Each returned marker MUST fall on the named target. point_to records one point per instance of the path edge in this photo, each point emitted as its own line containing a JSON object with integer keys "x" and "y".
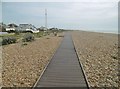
{"x": 34, "y": 86}
{"x": 81, "y": 65}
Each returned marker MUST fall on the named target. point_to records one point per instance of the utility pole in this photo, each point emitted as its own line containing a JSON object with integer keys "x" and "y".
{"x": 46, "y": 18}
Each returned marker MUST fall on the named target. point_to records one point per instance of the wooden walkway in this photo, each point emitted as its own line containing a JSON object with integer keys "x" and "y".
{"x": 64, "y": 69}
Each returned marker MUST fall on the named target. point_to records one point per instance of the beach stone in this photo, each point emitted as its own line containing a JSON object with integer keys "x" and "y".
{"x": 23, "y": 65}
{"x": 95, "y": 50}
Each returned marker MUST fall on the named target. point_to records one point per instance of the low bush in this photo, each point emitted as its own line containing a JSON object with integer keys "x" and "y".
{"x": 23, "y": 44}
{"x": 47, "y": 38}
{"x": 17, "y": 32}
{"x": 28, "y": 37}
{"x": 55, "y": 34}
{"x": 60, "y": 36}
{"x": 8, "y": 40}
{"x": 38, "y": 35}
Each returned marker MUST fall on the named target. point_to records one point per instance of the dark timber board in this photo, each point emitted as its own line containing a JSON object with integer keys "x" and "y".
{"x": 64, "y": 69}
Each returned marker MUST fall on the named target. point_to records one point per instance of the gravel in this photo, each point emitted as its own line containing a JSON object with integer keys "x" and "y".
{"x": 98, "y": 54}
{"x": 23, "y": 63}
{"x": 0, "y": 67}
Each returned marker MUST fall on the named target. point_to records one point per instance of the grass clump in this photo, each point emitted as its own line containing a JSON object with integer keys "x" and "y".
{"x": 28, "y": 37}
{"x": 55, "y": 33}
{"x": 39, "y": 34}
{"x": 8, "y": 40}
{"x": 23, "y": 44}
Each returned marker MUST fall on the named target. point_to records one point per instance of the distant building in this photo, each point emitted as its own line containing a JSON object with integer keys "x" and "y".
{"x": 27, "y": 28}
{"x": 22, "y": 28}
{"x": 11, "y": 27}
{"x": 52, "y": 29}
{"x": 42, "y": 28}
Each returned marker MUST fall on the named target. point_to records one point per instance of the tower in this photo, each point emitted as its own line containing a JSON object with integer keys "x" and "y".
{"x": 46, "y": 18}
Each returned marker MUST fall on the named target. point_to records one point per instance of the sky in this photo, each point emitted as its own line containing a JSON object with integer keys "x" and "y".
{"x": 90, "y": 15}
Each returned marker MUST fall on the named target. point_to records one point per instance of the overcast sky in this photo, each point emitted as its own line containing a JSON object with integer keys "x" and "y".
{"x": 89, "y": 15}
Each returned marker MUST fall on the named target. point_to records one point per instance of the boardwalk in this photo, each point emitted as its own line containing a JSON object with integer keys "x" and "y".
{"x": 64, "y": 69}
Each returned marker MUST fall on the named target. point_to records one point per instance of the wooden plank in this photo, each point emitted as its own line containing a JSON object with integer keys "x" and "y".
{"x": 64, "y": 69}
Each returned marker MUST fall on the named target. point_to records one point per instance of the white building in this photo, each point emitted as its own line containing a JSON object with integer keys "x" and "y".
{"x": 28, "y": 28}
{"x": 11, "y": 27}
{"x": 22, "y": 28}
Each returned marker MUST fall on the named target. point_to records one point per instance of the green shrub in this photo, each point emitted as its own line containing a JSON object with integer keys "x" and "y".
{"x": 40, "y": 34}
{"x": 60, "y": 36}
{"x": 17, "y": 32}
{"x": 55, "y": 34}
{"x": 8, "y": 40}
{"x": 23, "y": 44}
{"x": 28, "y": 37}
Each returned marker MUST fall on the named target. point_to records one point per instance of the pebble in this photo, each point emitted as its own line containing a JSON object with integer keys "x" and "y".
{"x": 23, "y": 65}
{"x": 96, "y": 57}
